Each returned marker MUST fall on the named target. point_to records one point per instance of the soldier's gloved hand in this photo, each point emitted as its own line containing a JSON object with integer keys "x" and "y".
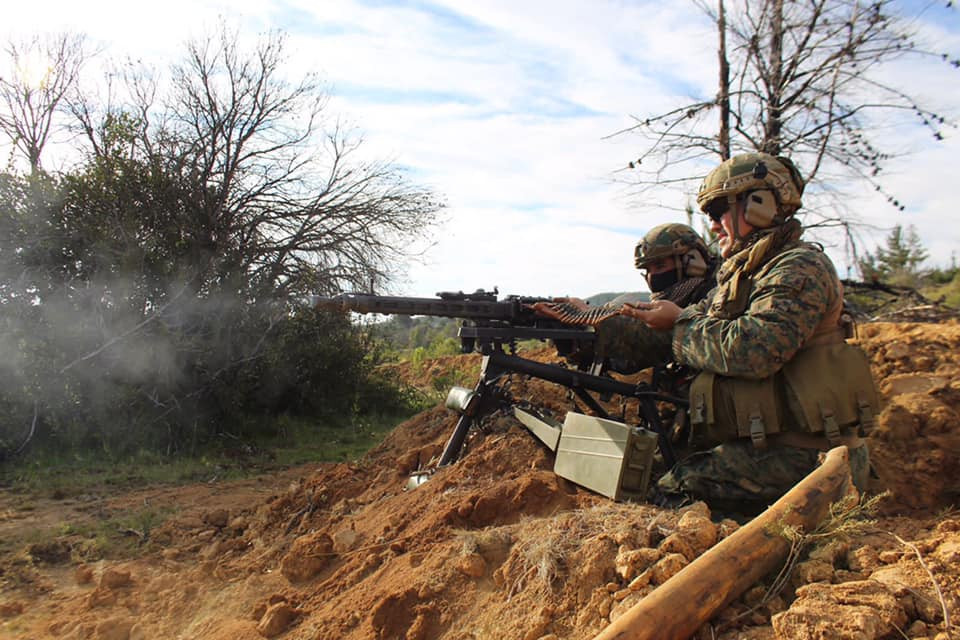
{"x": 658, "y": 314}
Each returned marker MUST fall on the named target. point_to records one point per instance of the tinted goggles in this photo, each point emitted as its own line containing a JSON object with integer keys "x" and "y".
{"x": 716, "y": 208}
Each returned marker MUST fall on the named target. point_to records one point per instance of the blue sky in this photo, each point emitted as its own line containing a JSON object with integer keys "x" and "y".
{"x": 504, "y": 108}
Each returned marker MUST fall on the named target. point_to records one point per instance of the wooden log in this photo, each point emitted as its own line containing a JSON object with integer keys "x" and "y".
{"x": 678, "y": 607}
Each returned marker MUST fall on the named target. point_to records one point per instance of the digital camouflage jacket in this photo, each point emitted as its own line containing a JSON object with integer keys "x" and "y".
{"x": 770, "y": 347}
{"x": 751, "y": 325}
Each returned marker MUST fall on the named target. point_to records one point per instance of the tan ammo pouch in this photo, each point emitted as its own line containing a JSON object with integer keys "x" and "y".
{"x": 800, "y": 395}
{"x": 819, "y": 407}
{"x": 724, "y": 408}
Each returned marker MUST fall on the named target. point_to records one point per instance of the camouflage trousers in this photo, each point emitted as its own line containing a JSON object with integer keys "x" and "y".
{"x": 736, "y": 476}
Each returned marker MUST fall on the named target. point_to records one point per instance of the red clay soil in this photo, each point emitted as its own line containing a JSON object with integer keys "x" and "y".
{"x": 497, "y": 546}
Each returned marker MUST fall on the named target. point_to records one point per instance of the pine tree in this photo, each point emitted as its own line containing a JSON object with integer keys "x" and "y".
{"x": 899, "y": 262}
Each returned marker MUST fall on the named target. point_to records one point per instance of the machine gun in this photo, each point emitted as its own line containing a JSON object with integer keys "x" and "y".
{"x": 489, "y": 326}
{"x": 489, "y": 323}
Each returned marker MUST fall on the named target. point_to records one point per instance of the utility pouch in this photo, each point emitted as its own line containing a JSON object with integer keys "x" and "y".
{"x": 755, "y": 408}
{"x": 723, "y": 408}
{"x": 702, "y": 419}
{"x": 830, "y": 409}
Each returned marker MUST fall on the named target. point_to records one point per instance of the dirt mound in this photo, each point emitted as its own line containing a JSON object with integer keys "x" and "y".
{"x": 497, "y": 546}
{"x": 915, "y": 447}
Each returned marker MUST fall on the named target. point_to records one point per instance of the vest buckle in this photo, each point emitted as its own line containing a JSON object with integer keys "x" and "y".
{"x": 866, "y": 415}
{"x": 696, "y": 411}
{"x": 830, "y": 427}
{"x": 758, "y": 435}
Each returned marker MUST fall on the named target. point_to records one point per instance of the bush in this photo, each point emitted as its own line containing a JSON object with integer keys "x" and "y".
{"x": 148, "y": 297}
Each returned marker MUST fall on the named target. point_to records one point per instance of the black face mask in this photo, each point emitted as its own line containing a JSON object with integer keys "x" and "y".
{"x": 660, "y": 281}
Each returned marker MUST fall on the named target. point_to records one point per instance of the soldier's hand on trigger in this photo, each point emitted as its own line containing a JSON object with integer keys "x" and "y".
{"x": 658, "y": 314}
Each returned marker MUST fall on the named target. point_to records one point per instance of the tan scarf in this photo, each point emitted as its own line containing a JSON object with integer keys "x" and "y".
{"x": 761, "y": 246}
{"x": 679, "y": 293}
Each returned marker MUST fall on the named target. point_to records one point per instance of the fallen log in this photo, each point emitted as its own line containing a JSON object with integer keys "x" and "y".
{"x": 678, "y": 607}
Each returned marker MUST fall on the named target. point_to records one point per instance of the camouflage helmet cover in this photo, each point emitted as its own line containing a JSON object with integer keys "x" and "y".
{"x": 667, "y": 240}
{"x": 753, "y": 172}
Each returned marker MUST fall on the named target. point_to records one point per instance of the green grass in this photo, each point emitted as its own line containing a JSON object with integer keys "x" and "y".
{"x": 116, "y": 535}
{"x": 949, "y": 293}
{"x": 63, "y": 475}
{"x": 303, "y": 443}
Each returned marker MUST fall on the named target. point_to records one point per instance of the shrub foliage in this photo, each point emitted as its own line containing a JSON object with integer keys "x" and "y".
{"x": 154, "y": 293}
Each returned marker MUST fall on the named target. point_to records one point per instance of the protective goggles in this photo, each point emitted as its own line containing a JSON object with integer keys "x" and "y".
{"x": 716, "y": 208}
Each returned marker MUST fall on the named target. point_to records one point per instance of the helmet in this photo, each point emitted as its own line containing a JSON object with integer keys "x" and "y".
{"x": 773, "y": 186}
{"x": 666, "y": 240}
{"x": 691, "y": 259}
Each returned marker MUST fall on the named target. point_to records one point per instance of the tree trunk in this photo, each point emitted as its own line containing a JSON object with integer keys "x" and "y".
{"x": 772, "y": 142}
{"x": 723, "y": 95}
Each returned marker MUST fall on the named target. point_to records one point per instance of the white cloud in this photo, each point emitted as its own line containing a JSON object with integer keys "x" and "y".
{"x": 503, "y": 107}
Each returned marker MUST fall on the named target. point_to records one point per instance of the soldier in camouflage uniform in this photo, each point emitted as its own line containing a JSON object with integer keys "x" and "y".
{"x": 677, "y": 267}
{"x": 778, "y": 382}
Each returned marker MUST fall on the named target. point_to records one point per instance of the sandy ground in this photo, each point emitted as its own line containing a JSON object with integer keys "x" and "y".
{"x": 496, "y": 546}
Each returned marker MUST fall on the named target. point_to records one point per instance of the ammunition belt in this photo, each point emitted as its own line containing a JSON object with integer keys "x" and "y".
{"x": 571, "y": 314}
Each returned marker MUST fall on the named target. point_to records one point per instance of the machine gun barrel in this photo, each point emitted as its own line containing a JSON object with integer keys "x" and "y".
{"x": 489, "y": 323}
{"x": 481, "y": 307}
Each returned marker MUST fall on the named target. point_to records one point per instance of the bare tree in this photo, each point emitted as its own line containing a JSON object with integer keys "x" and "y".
{"x": 801, "y": 77}
{"x": 723, "y": 93}
{"x": 161, "y": 274}
{"x": 287, "y": 202}
{"x": 281, "y": 201}
{"x": 42, "y": 72}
